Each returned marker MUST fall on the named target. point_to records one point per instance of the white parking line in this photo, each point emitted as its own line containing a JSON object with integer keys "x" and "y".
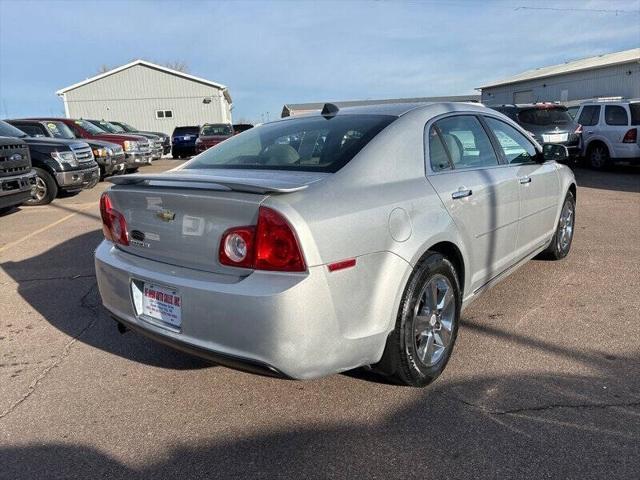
{"x": 45, "y": 228}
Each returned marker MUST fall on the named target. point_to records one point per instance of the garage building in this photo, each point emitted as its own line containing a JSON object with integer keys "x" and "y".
{"x": 149, "y": 97}
{"x": 610, "y": 75}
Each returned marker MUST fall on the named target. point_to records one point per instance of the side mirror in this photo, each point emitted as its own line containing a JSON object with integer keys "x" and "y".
{"x": 554, "y": 151}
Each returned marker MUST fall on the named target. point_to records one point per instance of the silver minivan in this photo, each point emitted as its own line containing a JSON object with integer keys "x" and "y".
{"x": 610, "y": 131}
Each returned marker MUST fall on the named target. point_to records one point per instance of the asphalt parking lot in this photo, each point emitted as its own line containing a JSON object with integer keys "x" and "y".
{"x": 544, "y": 381}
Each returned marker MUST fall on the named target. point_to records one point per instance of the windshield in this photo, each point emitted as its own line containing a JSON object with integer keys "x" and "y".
{"x": 125, "y": 127}
{"x": 216, "y": 129}
{"x": 106, "y": 126}
{"x": 59, "y": 130}
{"x": 545, "y": 116}
{"x": 186, "y": 131}
{"x": 305, "y": 144}
{"x": 7, "y": 130}
{"x": 89, "y": 127}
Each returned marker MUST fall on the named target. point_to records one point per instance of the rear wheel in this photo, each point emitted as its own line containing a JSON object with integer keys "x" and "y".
{"x": 561, "y": 241}
{"x": 598, "y": 156}
{"x": 46, "y": 188}
{"x": 419, "y": 348}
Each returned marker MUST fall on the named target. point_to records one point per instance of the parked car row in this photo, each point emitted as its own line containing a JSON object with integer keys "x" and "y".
{"x": 601, "y": 131}
{"x": 191, "y": 140}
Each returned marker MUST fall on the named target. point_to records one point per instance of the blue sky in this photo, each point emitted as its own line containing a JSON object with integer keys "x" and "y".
{"x": 271, "y": 53}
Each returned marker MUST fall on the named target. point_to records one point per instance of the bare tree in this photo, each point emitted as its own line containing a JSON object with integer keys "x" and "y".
{"x": 178, "y": 65}
{"x": 104, "y": 68}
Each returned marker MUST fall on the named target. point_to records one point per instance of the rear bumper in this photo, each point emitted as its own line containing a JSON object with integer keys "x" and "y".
{"x": 289, "y": 324}
{"x": 16, "y": 190}
{"x": 78, "y": 179}
{"x": 626, "y": 151}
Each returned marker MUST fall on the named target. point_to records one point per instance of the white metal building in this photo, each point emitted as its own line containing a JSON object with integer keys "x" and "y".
{"x": 149, "y": 97}
{"x": 610, "y": 75}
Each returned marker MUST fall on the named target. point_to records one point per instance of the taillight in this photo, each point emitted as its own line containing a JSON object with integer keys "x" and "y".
{"x": 578, "y": 129}
{"x": 114, "y": 224}
{"x": 631, "y": 136}
{"x": 270, "y": 245}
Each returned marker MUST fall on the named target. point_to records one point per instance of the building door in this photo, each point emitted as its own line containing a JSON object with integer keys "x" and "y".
{"x": 524, "y": 96}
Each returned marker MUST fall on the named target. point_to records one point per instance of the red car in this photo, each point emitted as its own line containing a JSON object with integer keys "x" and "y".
{"x": 212, "y": 134}
{"x": 136, "y": 148}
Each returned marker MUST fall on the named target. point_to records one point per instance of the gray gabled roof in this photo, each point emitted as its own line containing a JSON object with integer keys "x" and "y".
{"x": 170, "y": 71}
{"x": 589, "y": 63}
{"x": 290, "y": 108}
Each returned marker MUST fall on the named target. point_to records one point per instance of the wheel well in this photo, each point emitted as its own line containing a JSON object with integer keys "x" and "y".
{"x": 572, "y": 189}
{"x": 452, "y": 252}
{"x": 597, "y": 142}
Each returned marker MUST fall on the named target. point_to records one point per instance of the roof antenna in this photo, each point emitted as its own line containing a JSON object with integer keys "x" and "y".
{"x": 329, "y": 110}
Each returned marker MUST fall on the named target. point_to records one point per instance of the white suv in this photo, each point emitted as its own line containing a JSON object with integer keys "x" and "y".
{"x": 610, "y": 131}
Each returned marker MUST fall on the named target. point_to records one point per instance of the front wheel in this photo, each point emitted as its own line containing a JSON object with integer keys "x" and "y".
{"x": 419, "y": 348}
{"x": 562, "y": 238}
{"x": 46, "y": 188}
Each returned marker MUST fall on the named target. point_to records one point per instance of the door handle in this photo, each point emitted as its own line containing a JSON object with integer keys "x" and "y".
{"x": 461, "y": 193}
{"x": 525, "y": 180}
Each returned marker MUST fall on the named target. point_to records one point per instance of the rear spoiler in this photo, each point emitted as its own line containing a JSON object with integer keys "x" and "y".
{"x": 210, "y": 182}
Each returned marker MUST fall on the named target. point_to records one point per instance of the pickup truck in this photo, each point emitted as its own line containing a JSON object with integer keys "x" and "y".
{"x": 60, "y": 165}
{"x": 137, "y": 150}
{"x": 126, "y": 128}
{"x": 108, "y": 156}
{"x": 17, "y": 179}
{"x": 212, "y": 134}
{"x": 155, "y": 142}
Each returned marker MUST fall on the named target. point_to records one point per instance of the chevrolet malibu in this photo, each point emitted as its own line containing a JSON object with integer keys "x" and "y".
{"x": 318, "y": 244}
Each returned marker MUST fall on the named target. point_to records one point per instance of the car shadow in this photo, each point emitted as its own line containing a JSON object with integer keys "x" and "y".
{"x": 60, "y": 285}
{"x": 525, "y": 426}
{"x": 618, "y": 177}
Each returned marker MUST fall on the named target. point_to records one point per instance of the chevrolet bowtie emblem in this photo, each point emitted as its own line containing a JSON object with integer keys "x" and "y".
{"x": 165, "y": 215}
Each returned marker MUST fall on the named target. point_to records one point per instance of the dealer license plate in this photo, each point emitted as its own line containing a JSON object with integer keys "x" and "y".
{"x": 554, "y": 137}
{"x": 157, "y": 302}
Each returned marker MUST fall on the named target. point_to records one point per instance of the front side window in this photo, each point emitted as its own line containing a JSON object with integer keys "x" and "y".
{"x": 615, "y": 115}
{"x": 466, "y": 142}
{"x": 514, "y": 145}
{"x": 33, "y": 130}
{"x": 589, "y": 116}
{"x": 306, "y": 144}
{"x": 89, "y": 127}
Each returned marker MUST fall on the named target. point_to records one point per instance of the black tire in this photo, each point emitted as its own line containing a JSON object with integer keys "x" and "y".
{"x": 401, "y": 359}
{"x": 47, "y": 188}
{"x": 560, "y": 247}
{"x": 65, "y": 194}
{"x": 131, "y": 170}
{"x": 598, "y": 157}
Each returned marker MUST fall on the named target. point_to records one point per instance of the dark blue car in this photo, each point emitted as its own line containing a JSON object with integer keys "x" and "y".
{"x": 183, "y": 141}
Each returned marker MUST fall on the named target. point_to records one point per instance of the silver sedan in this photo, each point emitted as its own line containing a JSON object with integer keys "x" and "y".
{"x": 318, "y": 244}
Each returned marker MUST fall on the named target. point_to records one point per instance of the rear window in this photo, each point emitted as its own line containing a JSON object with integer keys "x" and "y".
{"x": 544, "y": 116}
{"x": 186, "y": 131}
{"x": 635, "y": 113}
{"x": 304, "y": 144}
{"x": 219, "y": 129}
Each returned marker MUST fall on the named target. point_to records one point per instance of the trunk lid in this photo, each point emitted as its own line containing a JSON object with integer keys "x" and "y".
{"x": 179, "y": 217}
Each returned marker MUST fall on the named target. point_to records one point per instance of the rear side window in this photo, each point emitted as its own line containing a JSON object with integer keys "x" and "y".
{"x": 544, "y": 117}
{"x": 466, "y": 142}
{"x": 437, "y": 152}
{"x": 615, "y": 115}
{"x": 590, "y": 115}
{"x": 635, "y": 113}
{"x": 304, "y": 144}
{"x": 515, "y": 146}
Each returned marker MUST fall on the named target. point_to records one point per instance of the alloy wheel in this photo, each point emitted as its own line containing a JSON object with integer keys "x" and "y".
{"x": 565, "y": 226}
{"x": 433, "y": 319}
{"x": 41, "y": 189}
